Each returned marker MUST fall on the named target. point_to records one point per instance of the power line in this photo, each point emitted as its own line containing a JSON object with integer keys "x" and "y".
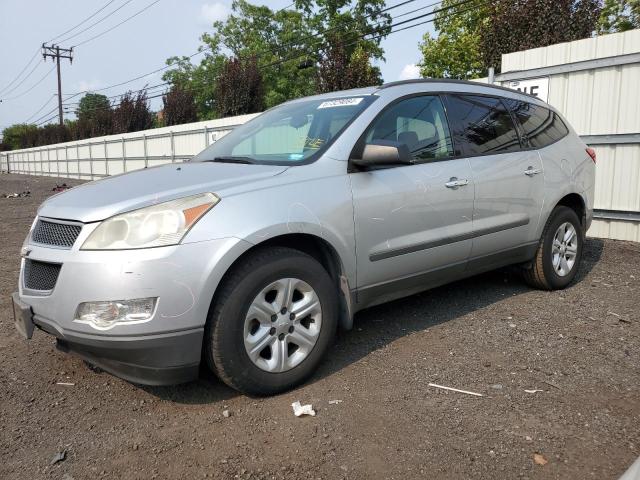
{"x": 135, "y": 78}
{"x": 208, "y": 48}
{"x": 83, "y": 21}
{"x": 35, "y": 55}
{"x": 118, "y": 24}
{"x": 18, "y": 85}
{"x": 45, "y": 115}
{"x": 307, "y": 53}
{"x": 46, "y": 121}
{"x": 433, "y": 12}
{"x": 280, "y": 48}
{"x": 32, "y": 86}
{"x": 96, "y": 22}
{"x": 40, "y": 109}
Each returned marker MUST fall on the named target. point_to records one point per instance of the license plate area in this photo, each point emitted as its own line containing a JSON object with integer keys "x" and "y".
{"x": 22, "y": 317}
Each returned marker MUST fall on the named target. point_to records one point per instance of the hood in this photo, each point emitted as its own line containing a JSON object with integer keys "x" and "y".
{"x": 102, "y": 199}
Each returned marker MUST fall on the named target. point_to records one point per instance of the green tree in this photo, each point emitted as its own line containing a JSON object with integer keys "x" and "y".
{"x": 179, "y": 106}
{"x": 15, "y": 136}
{"x": 354, "y": 23}
{"x": 455, "y": 51}
{"x": 132, "y": 113}
{"x": 199, "y": 79}
{"x": 90, "y": 104}
{"x": 288, "y": 45}
{"x": 471, "y": 37}
{"x": 347, "y": 36}
{"x": 619, "y": 16}
{"x": 271, "y": 36}
{"x": 511, "y": 26}
{"x": 339, "y": 71}
{"x": 239, "y": 88}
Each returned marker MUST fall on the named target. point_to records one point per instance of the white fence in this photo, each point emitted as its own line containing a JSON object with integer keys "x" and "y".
{"x": 102, "y": 156}
{"x": 594, "y": 82}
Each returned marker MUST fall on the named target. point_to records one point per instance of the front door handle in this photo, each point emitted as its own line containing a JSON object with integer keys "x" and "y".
{"x": 530, "y": 171}
{"x": 455, "y": 183}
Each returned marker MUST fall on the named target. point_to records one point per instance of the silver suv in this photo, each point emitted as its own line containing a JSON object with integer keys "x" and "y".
{"x": 249, "y": 257}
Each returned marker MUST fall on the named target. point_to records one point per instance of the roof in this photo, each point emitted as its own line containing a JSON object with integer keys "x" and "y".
{"x": 467, "y": 83}
{"x": 426, "y": 81}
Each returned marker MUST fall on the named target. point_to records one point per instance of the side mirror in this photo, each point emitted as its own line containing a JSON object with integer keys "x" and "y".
{"x": 384, "y": 153}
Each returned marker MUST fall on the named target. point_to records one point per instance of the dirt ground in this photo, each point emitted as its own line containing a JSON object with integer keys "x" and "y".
{"x": 489, "y": 334}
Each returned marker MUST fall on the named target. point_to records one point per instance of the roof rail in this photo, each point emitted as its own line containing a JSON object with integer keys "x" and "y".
{"x": 450, "y": 80}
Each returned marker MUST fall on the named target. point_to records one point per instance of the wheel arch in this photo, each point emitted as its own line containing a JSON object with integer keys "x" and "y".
{"x": 575, "y": 202}
{"x": 318, "y": 248}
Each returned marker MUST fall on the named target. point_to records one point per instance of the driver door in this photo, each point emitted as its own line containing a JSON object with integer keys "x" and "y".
{"x": 413, "y": 223}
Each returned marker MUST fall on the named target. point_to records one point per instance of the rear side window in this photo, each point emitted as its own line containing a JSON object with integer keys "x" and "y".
{"x": 419, "y": 123}
{"x": 540, "y": 125}
{"x": 481, "y": 125}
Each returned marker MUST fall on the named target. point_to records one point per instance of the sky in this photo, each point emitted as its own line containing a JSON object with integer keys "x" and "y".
{"x": 141, "y": 45}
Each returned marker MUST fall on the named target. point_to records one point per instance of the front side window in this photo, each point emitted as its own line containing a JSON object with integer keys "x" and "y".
{"x": 289, "y": 134}
{"x": 417, "y": 122}
{"x": 481, "y": 125}
{"x": 541, "y": 126}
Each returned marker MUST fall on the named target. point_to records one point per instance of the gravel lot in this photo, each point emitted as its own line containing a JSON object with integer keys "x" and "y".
{"x": 489, "y": 334}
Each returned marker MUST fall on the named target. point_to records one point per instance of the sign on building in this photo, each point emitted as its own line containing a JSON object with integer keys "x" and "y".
{"x": 537, "y": 87}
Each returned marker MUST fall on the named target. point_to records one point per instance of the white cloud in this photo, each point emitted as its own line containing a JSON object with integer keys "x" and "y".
{"x": 213, "y": 12}
{"x": 88, "y": 85}
{"x": 410, "y": 71}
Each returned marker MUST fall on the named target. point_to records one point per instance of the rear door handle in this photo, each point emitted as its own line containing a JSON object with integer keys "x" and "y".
{"x": 455, "y": 183}
{"x": 530, "y": 171}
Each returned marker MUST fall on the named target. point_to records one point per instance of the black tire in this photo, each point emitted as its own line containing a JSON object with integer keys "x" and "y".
{"x": 224, "y": 348}
{"x": 541, "y": 273}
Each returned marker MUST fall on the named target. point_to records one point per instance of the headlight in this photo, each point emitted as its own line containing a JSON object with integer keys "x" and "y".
{"x": 155, "y": 226}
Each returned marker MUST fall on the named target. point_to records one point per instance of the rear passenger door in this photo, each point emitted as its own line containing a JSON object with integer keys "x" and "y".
{"x": 508, "y": 179}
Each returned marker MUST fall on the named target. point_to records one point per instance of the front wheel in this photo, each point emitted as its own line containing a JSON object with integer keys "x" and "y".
{"x": 272, "y": 321}
{"x": 559, "y": 251}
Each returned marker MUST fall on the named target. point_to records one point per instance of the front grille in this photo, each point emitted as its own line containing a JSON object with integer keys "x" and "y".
{"x": 40, "y": 275}
{"x": 56, "y": 234}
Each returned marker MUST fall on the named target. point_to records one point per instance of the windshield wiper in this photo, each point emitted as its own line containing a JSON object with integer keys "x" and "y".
{"x": 231, "y": 159}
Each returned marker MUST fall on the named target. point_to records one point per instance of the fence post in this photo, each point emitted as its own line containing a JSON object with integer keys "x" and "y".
{"x": 106, "y": 158}
{"x": 144, "y": 144}
{"x": 66, "y": 159}
{"x": 91, "y": 161}
{"x": 124, "y": 157}
{"x": 173, "y": 147}
{"x": 206, "y": 137}
{"x": 78, "y": 158}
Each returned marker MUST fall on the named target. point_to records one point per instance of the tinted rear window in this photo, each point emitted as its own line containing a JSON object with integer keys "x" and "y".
{"x": 541, "y": 126}
{"x": 481, "y": 125}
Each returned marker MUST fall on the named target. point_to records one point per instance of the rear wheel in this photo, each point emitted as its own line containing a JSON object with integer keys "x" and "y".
{"x": 559, "y": 251}
{"x": 272, "y": 322}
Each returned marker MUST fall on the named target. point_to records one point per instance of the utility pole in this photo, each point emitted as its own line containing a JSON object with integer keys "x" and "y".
{"x": 55, "y": 52}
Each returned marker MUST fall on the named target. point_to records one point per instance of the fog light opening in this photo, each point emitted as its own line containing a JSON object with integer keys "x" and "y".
{"x": 103, "y": 315}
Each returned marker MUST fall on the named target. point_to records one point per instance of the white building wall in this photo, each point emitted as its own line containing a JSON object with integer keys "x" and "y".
{"x": 600, "y": 101}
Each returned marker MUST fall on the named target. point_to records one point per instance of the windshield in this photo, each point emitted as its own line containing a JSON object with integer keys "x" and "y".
{"x": 290, "y": 134}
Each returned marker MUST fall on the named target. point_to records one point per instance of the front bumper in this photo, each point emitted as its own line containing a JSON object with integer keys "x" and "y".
{"x": 163, "y": 350}
{"x": 162, "y": 359}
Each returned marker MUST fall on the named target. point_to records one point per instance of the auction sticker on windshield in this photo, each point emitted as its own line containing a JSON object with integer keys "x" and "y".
{"x": 341, "y": 102}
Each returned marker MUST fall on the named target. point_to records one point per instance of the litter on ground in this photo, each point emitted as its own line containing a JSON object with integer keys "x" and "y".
{"x": 456, "y": 390}
{"x": 299, "y": 410}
